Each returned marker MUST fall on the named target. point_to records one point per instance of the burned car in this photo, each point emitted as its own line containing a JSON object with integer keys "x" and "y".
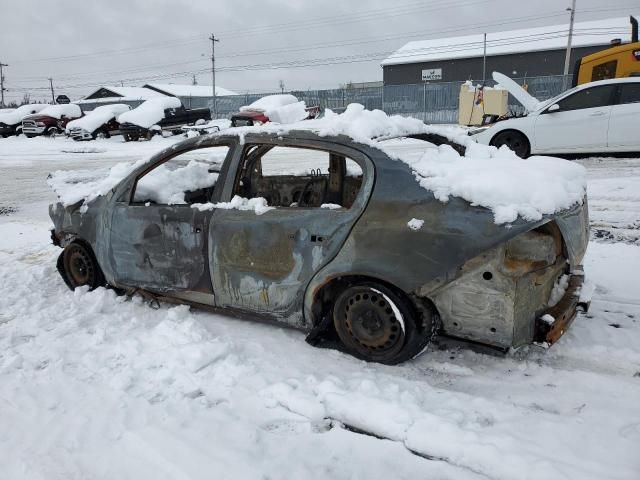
{"x": 350, "y": 246}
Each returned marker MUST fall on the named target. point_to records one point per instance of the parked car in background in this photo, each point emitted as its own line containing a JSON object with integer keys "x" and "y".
{"x": 203, "y": 127}
{"x": 596, "y": 117}
{"x": 157, "y": 115}
{"x": 11, "y": 122}
{"x": 281, "y": 108}
{"x": 50, "y": 120}
{"x": 100, "y": 121}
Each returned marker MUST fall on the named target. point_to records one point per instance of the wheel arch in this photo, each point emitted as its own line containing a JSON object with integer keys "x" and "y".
{"x": 320, "y": 300}
{"x": 510, "y": 129}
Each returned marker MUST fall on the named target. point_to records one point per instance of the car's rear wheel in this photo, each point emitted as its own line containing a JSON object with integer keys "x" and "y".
{"x": 80, "y": 267}
{"x": 516, "y": 141}
{"x": 377, "y": 324}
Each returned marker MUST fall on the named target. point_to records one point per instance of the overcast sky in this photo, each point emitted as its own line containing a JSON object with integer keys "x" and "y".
{"x": 82, "y": 44}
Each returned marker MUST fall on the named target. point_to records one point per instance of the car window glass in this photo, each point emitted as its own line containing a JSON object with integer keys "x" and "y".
{"x": 588, "y": 98}
{"x": 185, "y": 179}
{"x": 291, "y": 177}
{"x": 629, "y": 93}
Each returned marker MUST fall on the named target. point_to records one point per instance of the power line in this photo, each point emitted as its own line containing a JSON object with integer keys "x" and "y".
{"x": 358, "y": 58}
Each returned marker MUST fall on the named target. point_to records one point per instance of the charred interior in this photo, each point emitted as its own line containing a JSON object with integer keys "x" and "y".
{"x": 334, "y": 180}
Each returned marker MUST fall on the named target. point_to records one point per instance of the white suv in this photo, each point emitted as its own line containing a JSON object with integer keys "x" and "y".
{"x": 596, "y": 117}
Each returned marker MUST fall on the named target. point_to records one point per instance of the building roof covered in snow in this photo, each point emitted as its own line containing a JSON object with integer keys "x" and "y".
{"x": 109, "y": 94}
{"x": 551, "y": 37}
{"x": 177, "y": 90}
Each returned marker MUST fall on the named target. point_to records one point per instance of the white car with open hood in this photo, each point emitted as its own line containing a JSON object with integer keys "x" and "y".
{"x": 596, "y": 117}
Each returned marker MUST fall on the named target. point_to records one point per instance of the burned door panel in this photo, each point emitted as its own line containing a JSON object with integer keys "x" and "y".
{"x": 262, "y": 263}
{"x": 162, "y": 248}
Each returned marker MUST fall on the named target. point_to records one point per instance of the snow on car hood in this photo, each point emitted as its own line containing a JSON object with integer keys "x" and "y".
{"x": 98, "y": 117}
{"x": 150, "y": 112}
{"x": 12, "y": 118}
{"x": 529, "y": 102}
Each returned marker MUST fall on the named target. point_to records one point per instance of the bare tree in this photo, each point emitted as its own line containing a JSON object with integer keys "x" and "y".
{"x": 281, "y": 86}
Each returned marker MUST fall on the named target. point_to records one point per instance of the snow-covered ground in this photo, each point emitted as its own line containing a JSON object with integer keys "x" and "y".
{"x": 94, "y": 386}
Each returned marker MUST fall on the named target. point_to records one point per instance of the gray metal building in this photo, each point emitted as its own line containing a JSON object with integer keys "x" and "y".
{"x": 531, "y": 52}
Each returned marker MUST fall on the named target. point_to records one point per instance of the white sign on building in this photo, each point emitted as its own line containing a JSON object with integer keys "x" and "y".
{"x": 432, "y": 74}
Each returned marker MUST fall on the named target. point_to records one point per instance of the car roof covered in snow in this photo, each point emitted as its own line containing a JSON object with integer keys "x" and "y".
{"x": 550, "y": 37}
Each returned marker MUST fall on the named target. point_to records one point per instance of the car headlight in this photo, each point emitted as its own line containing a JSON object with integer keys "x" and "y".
{"x": 40, "y": 124}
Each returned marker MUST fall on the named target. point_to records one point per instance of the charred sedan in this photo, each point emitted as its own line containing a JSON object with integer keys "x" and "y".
{"x": 352, "y": 248}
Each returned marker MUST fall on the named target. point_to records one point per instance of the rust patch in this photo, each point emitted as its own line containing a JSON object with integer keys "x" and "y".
{"x": 237, "y": 253}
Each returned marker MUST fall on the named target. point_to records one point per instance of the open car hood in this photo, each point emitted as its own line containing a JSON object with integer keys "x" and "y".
{"x": 528, "y": 102}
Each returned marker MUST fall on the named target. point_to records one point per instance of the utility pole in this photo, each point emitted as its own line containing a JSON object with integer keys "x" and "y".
{"x": 213, "y": 71}
{"x": 567, "y": 56}
{"x": 2, "y": 84}
{"x": 53, "y": 97}
{"x": 484, "y": 61}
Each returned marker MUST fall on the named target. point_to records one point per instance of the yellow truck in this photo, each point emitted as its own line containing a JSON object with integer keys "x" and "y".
{"x": 621, "y": 60}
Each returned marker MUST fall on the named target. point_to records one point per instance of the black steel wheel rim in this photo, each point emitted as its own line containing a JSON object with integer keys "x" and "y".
{"x": 80, "y": 267}
{"x": 368, "y": 322}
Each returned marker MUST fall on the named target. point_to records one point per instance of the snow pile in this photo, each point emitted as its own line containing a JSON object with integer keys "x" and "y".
{"x": 415, "y": 224}
{"x": 500, "y": 180}
{"x": 70, "y": 110}
{"x": 98, "y": 117}
{"x": 74, "y": 186}
{"x": 291, "y": 113}
{"x": 559, "y": 289}
{"x": 16, "y": 116}
{"x": 168, "y": 186}
{"x": 258, "y": 205}
{"x": 150, "y": 112}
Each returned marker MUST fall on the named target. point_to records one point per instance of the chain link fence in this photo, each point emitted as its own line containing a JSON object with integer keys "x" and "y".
{"x": 431, "y": 102}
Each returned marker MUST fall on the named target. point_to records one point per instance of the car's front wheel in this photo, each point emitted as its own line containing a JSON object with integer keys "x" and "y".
{"x": 516, "y": 141}
{"x": 377, "y": 324}
{"x": 79, "y": 267}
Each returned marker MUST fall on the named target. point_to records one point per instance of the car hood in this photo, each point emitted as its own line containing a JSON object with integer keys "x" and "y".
{"x": 529, "y": 102}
